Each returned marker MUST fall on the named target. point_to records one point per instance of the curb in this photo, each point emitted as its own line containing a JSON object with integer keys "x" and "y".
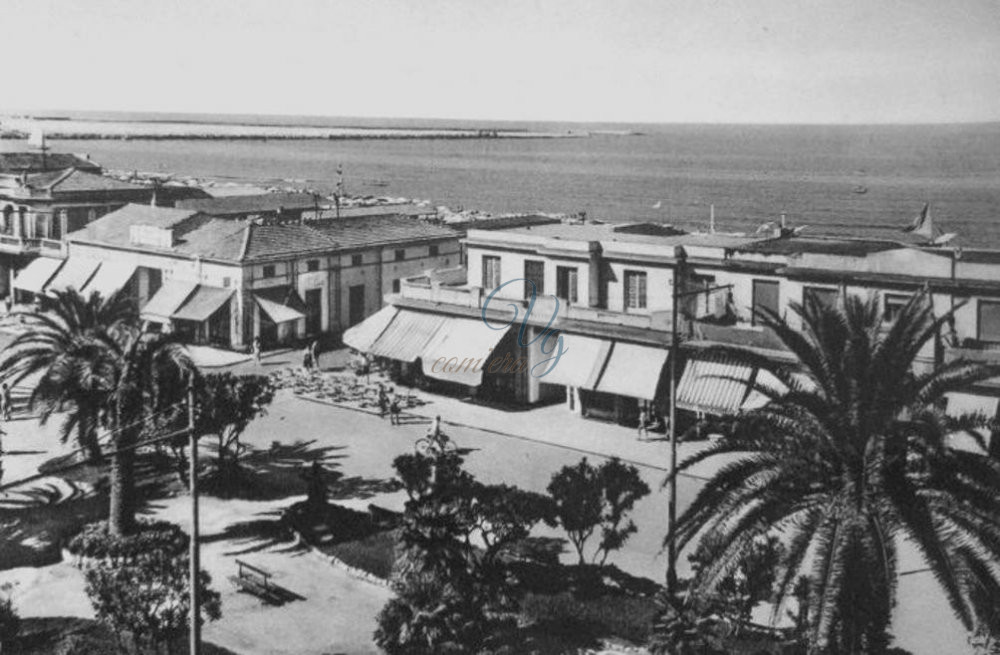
{"x": 335, "y": 561}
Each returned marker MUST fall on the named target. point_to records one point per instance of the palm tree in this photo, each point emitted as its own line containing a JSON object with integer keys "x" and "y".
{"x": 68, "y": 344}
{"x": 91, "y": 356}
{"x": 848, "y": 463}
{"x": 152, "y": 376}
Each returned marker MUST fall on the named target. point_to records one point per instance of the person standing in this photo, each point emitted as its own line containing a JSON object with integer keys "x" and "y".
{"x": 307, "y": 359}
{"x": 256, "y": 349}
{"x": 5, "y": 401}
{"x": 383, "y": 401}
{"x": 394, "y": 410}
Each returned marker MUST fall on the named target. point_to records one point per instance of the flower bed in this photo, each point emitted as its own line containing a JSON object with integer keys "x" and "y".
{"x": 95, "y": 543}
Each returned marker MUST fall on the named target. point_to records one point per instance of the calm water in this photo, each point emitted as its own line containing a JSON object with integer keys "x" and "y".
{"x": 751, "y": 174}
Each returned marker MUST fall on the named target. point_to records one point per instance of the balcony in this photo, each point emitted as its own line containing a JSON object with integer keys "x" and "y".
{"x": 972, "y": 350}
{"x": 14, "y": 244}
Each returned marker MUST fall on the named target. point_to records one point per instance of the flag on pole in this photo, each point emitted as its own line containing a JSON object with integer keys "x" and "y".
{"x": 922, "y": 224}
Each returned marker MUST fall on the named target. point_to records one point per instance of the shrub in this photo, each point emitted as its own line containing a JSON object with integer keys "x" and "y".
{"x": 151, "y": 536}
{"x": 627, "y": 617}
{"x": 146, "y": 600}
{"x": 375, "y": 553}
{"x": 10, "y": 622}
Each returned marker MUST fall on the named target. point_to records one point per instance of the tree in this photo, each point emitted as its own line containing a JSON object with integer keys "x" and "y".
{"x": 10, "y": 623}
{"x": 847, "y": 463}
{"x": 226, "y": 405}
{"x": 588, "y": 498}
{"x": 68, "y": 344}
{"x": 147, "y": 598}
{"x": 89, "y": 354}
{"x": 450, "y": 581}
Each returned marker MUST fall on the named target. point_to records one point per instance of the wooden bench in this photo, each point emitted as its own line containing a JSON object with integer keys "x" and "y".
{"x": 256, "y": 581}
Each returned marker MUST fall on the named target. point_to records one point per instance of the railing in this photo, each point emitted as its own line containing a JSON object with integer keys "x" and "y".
{"x": 973, "y": 350}
{"x": 29, "y": 243}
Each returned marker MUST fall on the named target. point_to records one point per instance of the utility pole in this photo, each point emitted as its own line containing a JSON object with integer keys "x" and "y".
{"x": 680, "y": 257}
{"x": 194, "y": 613}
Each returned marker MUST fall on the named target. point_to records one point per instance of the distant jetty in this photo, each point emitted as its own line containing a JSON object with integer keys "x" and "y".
{"x": 19, "y": 127}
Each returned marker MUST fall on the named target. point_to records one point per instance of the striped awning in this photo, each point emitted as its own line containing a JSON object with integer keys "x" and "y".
{"x": 110, "y": 278}
{"x": 204, "y": 302}
{"x": 361, "y": 336}
{"x": 464, "y": 345}
{"x": 167, "y": 300}
{"x": 632, "y": 370}
{"x": 75, "y": 273}
{"x": 37, "y": 274}
{"x": 715, "y": 384}
{"x": 581, "y": 365}
{"x": 407, "y": 335}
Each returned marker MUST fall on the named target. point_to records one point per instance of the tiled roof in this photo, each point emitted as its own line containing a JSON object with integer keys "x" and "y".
{"x": 252, "y": 204}
{"x": 266, "y": 241}
{"x": 74, "y": 179}
{"x": 31, "y": 162}
{"x": 198, "y": 234}
{"x": 370, "y": 231}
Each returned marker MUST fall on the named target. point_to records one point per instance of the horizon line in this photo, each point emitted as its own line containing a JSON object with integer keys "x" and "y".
{"x": 29, "y": 112}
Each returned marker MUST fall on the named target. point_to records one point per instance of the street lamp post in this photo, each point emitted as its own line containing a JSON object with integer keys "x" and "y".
{"x": 680, "y": 257}
{"x": 680, "y": 274}
{"x": 195, "y": 554}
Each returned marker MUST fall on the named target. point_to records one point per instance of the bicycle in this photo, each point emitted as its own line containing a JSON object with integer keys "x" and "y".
{"x": 436, "y": 443}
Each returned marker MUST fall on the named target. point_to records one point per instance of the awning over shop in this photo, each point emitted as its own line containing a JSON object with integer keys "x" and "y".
{"x": 407, "y": 335}
{"x": 167, "y": 300}
{"x": 364, "y": 334}
{"x": 632, "y": 370}
{"x": 581, "y": 364}
{"x": 960, "y": 404}
{"x": 721, "y": 384}
{"x": 110, "y": 278}
{"x": 765, "y": 380}
{"x": 37, "y": 274}
{"x": 76, "y": 273}
{"x": 281, "y": 304}
{"x": 202, "y": 304}
{"x": 453, "y": 352}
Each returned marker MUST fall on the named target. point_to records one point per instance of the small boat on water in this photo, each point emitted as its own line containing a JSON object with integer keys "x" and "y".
{"x": 377, "y": 183}
{"x": 860, "y": 189}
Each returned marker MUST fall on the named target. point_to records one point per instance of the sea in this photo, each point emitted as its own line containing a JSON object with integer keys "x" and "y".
{"x": 859, "y": 178}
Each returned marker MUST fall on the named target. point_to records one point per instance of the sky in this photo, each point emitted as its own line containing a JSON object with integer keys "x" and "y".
{"x": 701, "y": 61}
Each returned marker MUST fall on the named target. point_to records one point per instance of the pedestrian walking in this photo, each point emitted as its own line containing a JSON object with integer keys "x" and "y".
{"x": 307, "y": 362}
{"x": 644, "y": 424}
{"x": 314, "y": 349}
{"x": 5, "y": 401}
{"x": 256, "y": 349}
{"x": 394, "y": 410}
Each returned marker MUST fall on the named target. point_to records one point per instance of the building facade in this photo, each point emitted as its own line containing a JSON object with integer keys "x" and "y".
{"x": 228, "y": 281}
{"x": 607, "y": 291}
